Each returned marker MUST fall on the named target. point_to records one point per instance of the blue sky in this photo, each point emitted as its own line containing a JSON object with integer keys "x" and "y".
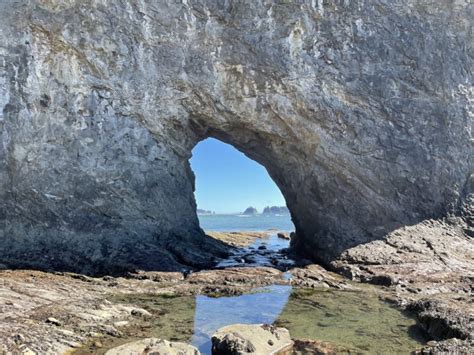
{"x": 228, "y": 182}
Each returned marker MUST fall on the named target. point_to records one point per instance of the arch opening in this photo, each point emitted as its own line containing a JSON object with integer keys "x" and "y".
{"x": 229, "y": 183}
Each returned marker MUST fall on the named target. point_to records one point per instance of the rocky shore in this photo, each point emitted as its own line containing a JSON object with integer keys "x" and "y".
{"x": 429, "y": 270}
{"x": 50, "y": 313}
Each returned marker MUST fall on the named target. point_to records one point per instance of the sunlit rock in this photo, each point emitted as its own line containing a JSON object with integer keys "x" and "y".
{"x": 154, "y": 346}
{"x": 242, "y": 339}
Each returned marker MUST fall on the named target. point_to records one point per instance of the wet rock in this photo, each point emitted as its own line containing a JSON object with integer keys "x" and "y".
{"x": 315, "y": 347}
{"x": 315, "y": 276}
{"x": 172, "y": 277}
{"x": 240, "y": 339}
{"x": 250, "y": 259}
{"x": 153, "y": 346}
{"x": 283, "y": 235}
{"x": 451, "y": 346}
{"x": 443, "y": 320}
{"x": 258, "y": 276}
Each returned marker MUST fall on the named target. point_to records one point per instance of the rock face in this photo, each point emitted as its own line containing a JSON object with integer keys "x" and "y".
{"x": 360, "y": 112}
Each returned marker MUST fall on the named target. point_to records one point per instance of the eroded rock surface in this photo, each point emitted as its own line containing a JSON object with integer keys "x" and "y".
{"x": 243, "y": 339}
{"x": 153, "y": 346}
{"x": 360, "y": 111}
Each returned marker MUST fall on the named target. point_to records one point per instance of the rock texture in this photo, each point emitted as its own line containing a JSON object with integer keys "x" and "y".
{"x": 429, "y": 265}
{"x": 242, "y": 339}
{"x": 154, "y": 346}
{"x": 361, "y": 112}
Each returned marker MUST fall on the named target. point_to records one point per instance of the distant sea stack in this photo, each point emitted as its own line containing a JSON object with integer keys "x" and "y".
{"x": 250, "y": 211}
{"x": 275, "y": 210}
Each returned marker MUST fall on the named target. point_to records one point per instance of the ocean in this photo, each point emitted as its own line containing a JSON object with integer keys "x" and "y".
{"x": 234, "y": 223}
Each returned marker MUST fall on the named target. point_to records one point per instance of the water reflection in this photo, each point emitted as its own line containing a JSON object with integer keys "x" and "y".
{"x": 263, "y": 306}
{"x": 353, "y": 322}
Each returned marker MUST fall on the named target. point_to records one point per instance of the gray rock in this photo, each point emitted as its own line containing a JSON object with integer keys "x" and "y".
{"x": 241, "y": 339}
{"x": 360, "y": 112}
{"x": 283, "y": 236}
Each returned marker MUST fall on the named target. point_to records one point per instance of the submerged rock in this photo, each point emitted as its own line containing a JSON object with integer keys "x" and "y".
{"x": 154, "y": 346}
{"x": 315, "y": 347}
{"x": 242, "y": 339}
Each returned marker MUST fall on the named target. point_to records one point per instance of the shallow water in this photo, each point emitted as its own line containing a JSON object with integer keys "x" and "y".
{"x": 357, "y": 321}
{"x": 263, "y": 306}
{"x": 235, "y": 223}
{"x": 253, "y": 256}
{"x": 354, "y": 322}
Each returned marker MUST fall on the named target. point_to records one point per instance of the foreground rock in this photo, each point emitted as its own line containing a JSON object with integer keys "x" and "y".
{"x": 364, "y": 127}
{"x": 153, "y": 346}
{"x": 422, "y": 272}
{"x": 55, "y": 313}
{"x": 243, "y": 339}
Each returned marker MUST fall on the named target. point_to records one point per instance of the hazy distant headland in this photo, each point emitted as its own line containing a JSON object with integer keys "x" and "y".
{"x": 251, "y": 211}
{"x": 204, "y": 212}
{"x": 269, "y": 210}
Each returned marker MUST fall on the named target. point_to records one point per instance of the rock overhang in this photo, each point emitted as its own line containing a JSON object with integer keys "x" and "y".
{"x": 363, "y": 127}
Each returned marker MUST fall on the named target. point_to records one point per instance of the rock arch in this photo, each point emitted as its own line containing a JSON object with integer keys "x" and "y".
{"x": 361, "y": 113}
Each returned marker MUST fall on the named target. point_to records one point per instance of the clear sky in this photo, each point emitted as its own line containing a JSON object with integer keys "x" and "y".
{"x": 229, "y": 182}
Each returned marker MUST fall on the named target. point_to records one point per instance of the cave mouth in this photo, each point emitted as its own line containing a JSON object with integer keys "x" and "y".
{"x": 233, "y": 192}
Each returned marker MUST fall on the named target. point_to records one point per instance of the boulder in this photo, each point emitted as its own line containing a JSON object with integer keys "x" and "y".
{"x": 240, "y": 339}
{"x": 154, "y": 346}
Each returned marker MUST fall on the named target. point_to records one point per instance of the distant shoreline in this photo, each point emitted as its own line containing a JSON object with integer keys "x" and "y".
{"x": 243, "y": 215}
